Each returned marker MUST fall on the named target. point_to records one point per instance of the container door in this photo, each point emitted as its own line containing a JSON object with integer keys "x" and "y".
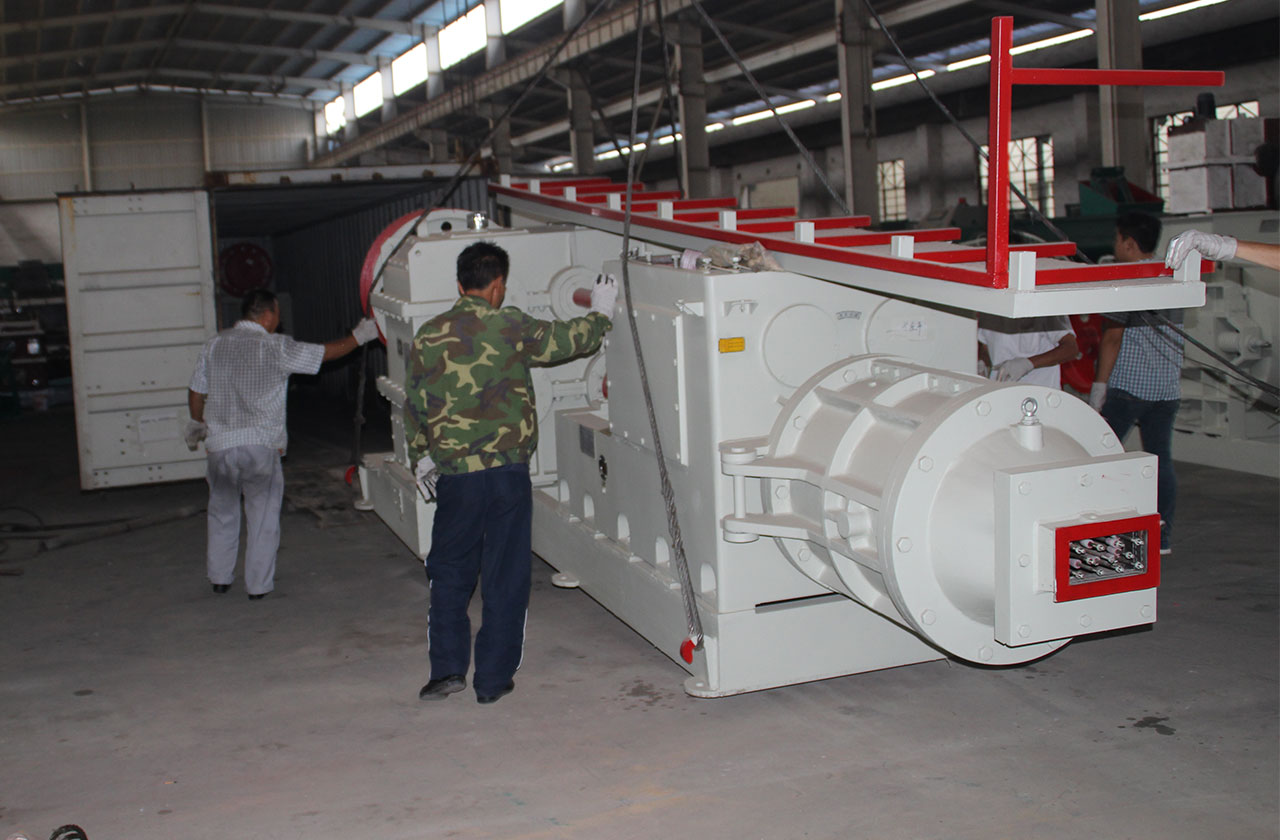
{"x": 139, "y": 274}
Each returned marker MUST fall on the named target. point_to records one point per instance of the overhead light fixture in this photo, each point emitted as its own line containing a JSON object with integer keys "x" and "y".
{"x": 833, "y": 97}
{"x": 783, "y": 109}
{"x": 752, "y": 117}
{"x": 670, "y": 138}
{"x": 968, "y": 62}
{"x": 1170, "y": 11}
{"x": 901, "y": 80}
{"x": 1064, "y": 38}
{"x": 715, "y": 126}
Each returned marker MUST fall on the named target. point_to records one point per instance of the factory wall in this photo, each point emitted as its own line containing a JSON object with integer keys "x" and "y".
{"x": 144, "y": 141}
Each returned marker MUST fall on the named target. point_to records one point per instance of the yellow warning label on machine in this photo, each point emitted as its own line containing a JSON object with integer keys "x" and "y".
{"x": 733, "y": 345}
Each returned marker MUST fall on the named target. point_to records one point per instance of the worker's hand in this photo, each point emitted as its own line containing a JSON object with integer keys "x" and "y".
{"x": 424, "y": 473}
{"x": 1011, "y": 370}
{"x": 1211, "y": 245}
{"x": 1098, "y": 395}
{"x": 195, "y": 432}
{"x": 365, "y": 331}
{"x": 984, "y": 369}
{"x": 604, "y": 295}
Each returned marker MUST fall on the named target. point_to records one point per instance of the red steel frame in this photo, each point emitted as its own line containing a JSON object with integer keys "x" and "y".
{"x": 1003, "y": 77}
{"x": 698, "y": 217}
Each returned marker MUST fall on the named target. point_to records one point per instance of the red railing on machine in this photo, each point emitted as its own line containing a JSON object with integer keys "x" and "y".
{"x": 685, "y": 222}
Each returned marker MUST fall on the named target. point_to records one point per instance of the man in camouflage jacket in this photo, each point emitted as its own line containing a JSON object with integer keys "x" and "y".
{"x": 469, "y": 408}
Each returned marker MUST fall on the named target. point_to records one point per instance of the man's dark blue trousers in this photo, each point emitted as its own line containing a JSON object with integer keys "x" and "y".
{"x": 481, "y": 532}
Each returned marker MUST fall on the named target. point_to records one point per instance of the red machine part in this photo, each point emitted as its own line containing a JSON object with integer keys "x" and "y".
{"x": 1079, "y": 372}
{"x": 374, "y": 257}
{"x": 245, "y": 267}
{"x": 1106, "y": 576}
{"x": 687, "y": 648}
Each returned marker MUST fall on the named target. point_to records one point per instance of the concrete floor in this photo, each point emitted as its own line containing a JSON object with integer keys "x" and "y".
{"x": 137, "y": 704}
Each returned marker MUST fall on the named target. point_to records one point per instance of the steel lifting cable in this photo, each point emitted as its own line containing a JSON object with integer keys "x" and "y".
{"x": 1239, "y": 373}
{"x": 358, "y": 419}
{"x": 474, "y": 157}
{"x": 1264, "y": 386}
{"x": 742, "y": 67}
{"x": 906, "y": 62}
{"x": 692, "y": 619}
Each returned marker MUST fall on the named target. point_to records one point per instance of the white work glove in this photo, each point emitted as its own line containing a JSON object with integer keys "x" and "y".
{"x": 1011, "y": 370}
{"x": 424, "y": 473}
{"x": 365, "y": 331}
{"x": 604, "y": 295}
{"x": 1211, "y": 245}
{"x": 195, "y": 432}
{"x": 983, "y": 369}
{"x": 1097, "y": 395}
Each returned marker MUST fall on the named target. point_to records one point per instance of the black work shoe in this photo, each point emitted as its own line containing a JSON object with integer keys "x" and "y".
{"x": 222, "y": 588}
{"x": 258, "y": 597}
{"x": 495, "y": 697}
{"x": 443, "y": 687}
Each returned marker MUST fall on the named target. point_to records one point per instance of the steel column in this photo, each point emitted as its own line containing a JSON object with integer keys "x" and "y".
{"x": 1126, "y": 140}
{"x": 695, "y": 153}
{"x": 582, "y": 137}
{"x": 855, "y": 49}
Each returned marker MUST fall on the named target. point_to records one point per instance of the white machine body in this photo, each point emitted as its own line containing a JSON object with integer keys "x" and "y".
{"x": 419, "y": 281}
{"x": 850, "y": 496}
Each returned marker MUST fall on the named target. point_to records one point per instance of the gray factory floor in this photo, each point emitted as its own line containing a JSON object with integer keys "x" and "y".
{"x": 136, "y": 703}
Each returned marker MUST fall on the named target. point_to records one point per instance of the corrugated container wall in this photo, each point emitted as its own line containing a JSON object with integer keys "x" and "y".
{"x": 155, "y": 141}
{"x": 319, "y": 267}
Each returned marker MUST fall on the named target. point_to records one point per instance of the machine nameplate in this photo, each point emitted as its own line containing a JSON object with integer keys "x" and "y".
{"x": 733, "y": 345}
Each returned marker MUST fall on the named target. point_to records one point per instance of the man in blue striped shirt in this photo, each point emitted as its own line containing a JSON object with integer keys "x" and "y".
{"x": 1140, "y": 367}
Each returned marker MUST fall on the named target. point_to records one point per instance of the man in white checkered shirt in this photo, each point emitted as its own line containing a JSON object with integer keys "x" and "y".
{"x": 237, "y": 401}
{"x": 1138, "y": 379}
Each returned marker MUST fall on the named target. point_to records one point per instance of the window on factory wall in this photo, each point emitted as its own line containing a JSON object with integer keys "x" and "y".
{"x": 368, "y": 94}
{"x": 1160, "y": 136}
{"x": 463, "y": 37}
{"x": 335, "y": 116}
{"x": 409, "y": 70}
{"x": 516, "y": 13}
{"x": 1030, "y": 170}
{"x": 891, "y": 178}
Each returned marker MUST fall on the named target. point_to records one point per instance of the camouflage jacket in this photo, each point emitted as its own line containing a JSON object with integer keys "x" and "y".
{"x": 469, "y": 396}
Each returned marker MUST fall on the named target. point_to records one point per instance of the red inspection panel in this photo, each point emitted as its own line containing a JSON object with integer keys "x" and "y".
{"x": 1079, "y": 540}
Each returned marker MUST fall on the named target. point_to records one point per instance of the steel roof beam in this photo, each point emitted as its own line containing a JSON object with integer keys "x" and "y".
{"x": 396, "y": 27}
{"x": 209, "y": 80}
{"x": 605, "y": 28}
{"x": 820, "y": 41}
{"x": 1006, "y": 8}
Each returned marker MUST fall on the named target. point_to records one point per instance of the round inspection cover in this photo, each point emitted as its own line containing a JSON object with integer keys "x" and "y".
{"x": 795, "y": 339}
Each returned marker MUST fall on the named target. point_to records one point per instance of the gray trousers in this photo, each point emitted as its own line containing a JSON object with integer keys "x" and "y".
{"x": 254, "y": 472}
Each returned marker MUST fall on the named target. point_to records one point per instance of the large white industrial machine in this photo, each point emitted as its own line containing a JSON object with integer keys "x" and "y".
{"x": 850, "y": 496}
{"x": 789, "y": 471}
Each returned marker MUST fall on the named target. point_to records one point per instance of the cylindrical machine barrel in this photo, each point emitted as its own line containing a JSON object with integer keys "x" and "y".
{"x": 893, "y": 466}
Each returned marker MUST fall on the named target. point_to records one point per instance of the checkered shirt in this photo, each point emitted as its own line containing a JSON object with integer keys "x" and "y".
{"x": 244, "y": 373}
{"x": 1149, "y": 365}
